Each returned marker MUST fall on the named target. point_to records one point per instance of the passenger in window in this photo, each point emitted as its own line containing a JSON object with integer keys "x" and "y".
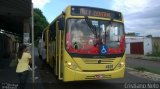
{"x": 77, "y": 35}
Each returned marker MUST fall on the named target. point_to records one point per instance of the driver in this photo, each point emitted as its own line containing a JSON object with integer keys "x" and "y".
{"x": 77, "y": 35}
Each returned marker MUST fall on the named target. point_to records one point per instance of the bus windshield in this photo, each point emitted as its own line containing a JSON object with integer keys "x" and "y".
{"x": 82, "y": 39}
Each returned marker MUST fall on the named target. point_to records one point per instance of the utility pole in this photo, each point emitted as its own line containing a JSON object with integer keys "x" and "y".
{"x": 32, "y": 28}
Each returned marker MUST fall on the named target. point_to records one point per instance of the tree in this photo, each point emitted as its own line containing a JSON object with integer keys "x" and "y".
{"x": 131, "y": 34}
{"x": 40, "y": 23}
{"x": 149, "y": 35}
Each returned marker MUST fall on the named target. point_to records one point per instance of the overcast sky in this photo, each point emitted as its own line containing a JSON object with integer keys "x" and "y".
{"x": 141, "y": 16}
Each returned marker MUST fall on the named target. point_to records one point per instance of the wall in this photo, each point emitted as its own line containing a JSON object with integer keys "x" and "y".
{"x": 7, "y": 46}
{"x": 132, "y": 39}
{"x": 128, "y": 48}
{"x": 147, "y": 43}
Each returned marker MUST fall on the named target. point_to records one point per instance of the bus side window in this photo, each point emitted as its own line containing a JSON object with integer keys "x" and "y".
{"x": 49, "y": 36}
{"x": 61, "y": 22}
{"x": 44, "y": 36}
{"x": 52, "y": 32}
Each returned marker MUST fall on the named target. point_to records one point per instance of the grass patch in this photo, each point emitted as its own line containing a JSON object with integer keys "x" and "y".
{"x": 154, "y": 54}
{"x": 140, "y": 69}
{"x": 152, "y": 59}
{"x": 148, "y": 69}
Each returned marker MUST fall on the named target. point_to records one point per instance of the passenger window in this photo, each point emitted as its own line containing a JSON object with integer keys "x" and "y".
{"x": 44, "y": 36}
{"x": 52, "y": 32}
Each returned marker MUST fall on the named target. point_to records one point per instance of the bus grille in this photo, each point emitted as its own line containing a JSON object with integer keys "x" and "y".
{"x": 96, "y": 61}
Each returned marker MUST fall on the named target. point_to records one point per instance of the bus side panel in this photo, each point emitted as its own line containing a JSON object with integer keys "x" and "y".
{"x": 50, "y": 54}
{"x": 57, "y": 50}
{"x": 46, "y": 43}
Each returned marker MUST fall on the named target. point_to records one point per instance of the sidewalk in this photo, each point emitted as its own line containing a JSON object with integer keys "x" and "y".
{"x": 9, "y": 78}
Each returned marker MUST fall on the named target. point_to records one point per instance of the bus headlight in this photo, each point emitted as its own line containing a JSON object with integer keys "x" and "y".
{"x": 69, "y": 63}
{"x": 121, "y": 64}
{"x": 72, "y": 65}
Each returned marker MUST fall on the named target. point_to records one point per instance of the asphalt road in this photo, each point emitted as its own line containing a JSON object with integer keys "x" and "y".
{"x": 45, "y": 79}
{"x": 49, "y": 81}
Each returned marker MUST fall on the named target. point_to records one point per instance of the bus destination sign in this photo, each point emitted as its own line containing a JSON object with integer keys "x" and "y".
{"x": 95, "y": 13}
{"x": 88, "y": 11}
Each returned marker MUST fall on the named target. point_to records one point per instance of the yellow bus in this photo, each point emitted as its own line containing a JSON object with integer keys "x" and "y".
{"x": 86, "y": 43}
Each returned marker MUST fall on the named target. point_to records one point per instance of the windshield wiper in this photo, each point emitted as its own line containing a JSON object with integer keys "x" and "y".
{"x": 92, "y": 27}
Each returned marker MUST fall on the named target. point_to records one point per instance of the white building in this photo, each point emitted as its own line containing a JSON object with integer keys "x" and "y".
{"x": 138, "y": 45}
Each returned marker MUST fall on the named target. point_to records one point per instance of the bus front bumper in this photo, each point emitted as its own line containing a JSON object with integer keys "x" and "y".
{"x": 72, "y": 75}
